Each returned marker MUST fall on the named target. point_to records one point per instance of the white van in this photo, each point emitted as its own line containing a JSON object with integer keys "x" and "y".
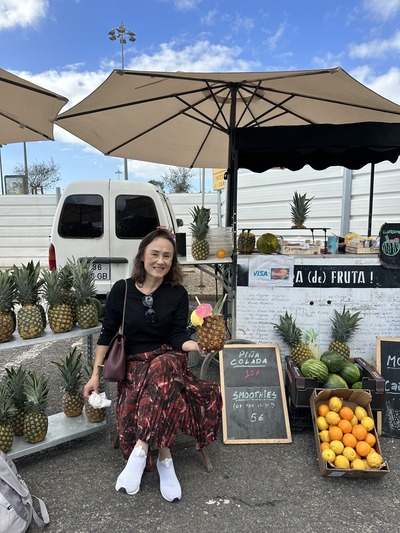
{"x": 106, "y": 220}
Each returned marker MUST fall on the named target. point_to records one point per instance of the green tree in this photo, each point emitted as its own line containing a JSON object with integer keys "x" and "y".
{"x": 41, "y": 175}
{"x": 177, "y": 180}
{"x": 157, "y": 183}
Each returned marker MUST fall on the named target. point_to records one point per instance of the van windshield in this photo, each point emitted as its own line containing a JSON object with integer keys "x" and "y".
{"x": 136, "y": 216}
{"x": 82, "y": 217}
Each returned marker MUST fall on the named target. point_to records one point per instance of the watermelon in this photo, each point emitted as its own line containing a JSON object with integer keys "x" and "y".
{"x": 312, "y": 368}
{"x": 357, "y": 385}
{"x": 333, "y": 361}
{"x": 350, "y": 373}
{"x": 335, "y": 381}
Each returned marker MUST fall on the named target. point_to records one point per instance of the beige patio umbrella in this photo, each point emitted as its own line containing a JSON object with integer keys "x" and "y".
{"x": 27, "y": 111}
{"x": 190, "y": 119}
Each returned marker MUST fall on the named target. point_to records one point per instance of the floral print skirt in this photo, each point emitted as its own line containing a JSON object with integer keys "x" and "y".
{"x": 159, "y": 397}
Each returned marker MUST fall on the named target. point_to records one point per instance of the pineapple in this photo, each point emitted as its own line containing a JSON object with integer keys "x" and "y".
{"x": 27, "y": 288}
{"x": 7, "y": 315}
{"x": 69, "y": 297}
{"x": 6, "y": 413}
{"x": 212, "y": 333}
{"x": 71, "y": 374}
{"x": 246, "y": 242}
{"x": 300, "y": 208}
{"x": 36, "y": 421}
{"x": 344, "y": 326}
{"x": 87, "y": 314}
{"x": 199, "y": 228}
{"x": 59, "y": 313}
{"x": 291, "y": 334}
{"x": 310, "y": 337}
{"x": 92, "y": 414}
{"x": 16, "y": 380}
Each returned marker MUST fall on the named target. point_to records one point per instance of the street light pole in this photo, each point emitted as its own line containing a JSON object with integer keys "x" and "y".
{"x": 120, "y": 33}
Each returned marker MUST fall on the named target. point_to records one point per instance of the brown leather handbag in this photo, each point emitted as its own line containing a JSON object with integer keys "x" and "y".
{"x": 114, "y": 367}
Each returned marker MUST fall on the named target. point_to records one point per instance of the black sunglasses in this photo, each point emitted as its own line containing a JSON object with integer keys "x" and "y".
{"x": 150, "y": 314}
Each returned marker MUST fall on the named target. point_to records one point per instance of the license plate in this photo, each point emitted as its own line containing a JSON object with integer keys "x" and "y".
{"x": 101, "y": 271}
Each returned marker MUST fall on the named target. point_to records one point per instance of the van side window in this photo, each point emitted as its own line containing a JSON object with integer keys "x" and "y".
{"x": 82, "y": 217}
{"x": 136, "y": 216}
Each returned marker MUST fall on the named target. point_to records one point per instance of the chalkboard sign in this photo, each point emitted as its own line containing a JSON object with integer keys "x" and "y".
{"x": 389, "y": 245}
{"x": 254, "y": 401}
{"x": 388, "y": 365}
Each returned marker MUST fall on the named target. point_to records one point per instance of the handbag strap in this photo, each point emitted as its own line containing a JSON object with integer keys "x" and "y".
{"x": 123, "y": 311}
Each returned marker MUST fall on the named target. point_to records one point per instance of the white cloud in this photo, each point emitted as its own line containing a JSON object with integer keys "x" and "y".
{"x": 382, "y": 9}
{"x": 272, "y": 42}
{"x": 186, "y": 5}
{"x": 387, "y": 84}
{"x": 377, "y": 48}
{"x": 18, "y": 13}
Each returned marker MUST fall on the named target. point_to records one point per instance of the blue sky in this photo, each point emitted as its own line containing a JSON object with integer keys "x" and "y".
{"x": 63, "y": 45}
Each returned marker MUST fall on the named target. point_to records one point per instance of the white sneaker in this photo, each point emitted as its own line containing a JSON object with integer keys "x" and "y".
{"x": 169, "y": 484}
{"x": 129, "y": 479}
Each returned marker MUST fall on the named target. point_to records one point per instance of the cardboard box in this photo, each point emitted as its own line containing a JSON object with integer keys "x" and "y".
{"x": 286, "y": 248}
{"x": 359, "y": 248}
{"x": 352, "y": 398}
{"x": 300, "y": 388}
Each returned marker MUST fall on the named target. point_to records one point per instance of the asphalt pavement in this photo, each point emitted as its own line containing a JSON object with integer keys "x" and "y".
{"x": 255, "y": 488}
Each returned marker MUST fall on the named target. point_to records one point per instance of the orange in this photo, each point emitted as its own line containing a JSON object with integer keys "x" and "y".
{"x": 324, "y": 446}
{"x": 335, "y": 433}
{"x": 221, "y": 253}
{"x": 349, "y": 440}
{"x": 371, "y": 439}
{"x": 345, "y": 426}
{"x": 346, "y": 412}
{"x": 323, "y": 408}
{"x": 359, "y": 432}
{"x": 363, "y": 448}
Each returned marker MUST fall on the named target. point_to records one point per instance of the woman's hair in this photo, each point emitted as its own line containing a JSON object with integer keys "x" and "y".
{"x": 174, "y": 276}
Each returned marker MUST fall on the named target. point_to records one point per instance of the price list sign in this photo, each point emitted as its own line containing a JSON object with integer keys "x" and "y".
{"x": 254, "y": 401}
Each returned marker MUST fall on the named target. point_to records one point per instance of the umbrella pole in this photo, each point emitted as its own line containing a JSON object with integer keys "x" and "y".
{"x": 371, "y": 199}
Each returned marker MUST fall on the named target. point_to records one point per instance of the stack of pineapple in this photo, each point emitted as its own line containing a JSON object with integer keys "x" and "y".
{"x": 23, "y": 402}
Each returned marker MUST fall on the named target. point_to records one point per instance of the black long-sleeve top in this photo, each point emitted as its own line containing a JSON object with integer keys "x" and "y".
{"x": 171, "y": 304}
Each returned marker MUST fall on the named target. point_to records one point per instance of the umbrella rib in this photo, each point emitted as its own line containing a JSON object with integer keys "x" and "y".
{"x": 34, "y": 89}
{"x": 22, "y": 125}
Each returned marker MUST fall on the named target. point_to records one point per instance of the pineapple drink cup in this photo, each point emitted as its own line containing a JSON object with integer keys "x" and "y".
{"x": 210, "y": 325}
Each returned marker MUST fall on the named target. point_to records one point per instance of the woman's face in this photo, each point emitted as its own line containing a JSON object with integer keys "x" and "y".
{"x": 157, "y": 258}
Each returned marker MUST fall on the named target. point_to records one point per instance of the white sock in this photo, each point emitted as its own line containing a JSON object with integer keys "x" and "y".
{"x": 129, "y": 479}
{"x": 169, "y": 484}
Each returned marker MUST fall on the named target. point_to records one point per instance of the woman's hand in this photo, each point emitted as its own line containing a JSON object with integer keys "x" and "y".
{"x": 92, "y": 385}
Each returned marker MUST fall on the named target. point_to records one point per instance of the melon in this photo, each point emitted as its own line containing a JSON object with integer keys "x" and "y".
{"x": 335, "y": 381}
{"x": 333, "y": 361}
{"x": 267, "y": 243}
{"x": 357, "y": 385}
{"x": 312, "y": 368}
{"x": 350, "y": 373}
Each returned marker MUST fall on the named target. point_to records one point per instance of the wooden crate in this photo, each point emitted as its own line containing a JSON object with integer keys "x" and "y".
{"x": 359, "y": 248}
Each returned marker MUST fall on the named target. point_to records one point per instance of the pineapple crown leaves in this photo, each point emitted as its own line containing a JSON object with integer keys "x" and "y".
{"x": 344, "y": 324}
{"x": 200, "y": 225}
{"x": 7, "y": 408}
{"x": 7, "y": 291}
{"x": 300, "y": 207}
{"x": 66, "y": 276}
{"x": 288, "y": 330}
{"x": 16, "y": 382}
{"x": 71, "y": 371}
{"x": 27, "y": 282}
{"x": 83, "y": 279}
{"x": 53, "y": 287}
{"x": 37, "y": 391}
